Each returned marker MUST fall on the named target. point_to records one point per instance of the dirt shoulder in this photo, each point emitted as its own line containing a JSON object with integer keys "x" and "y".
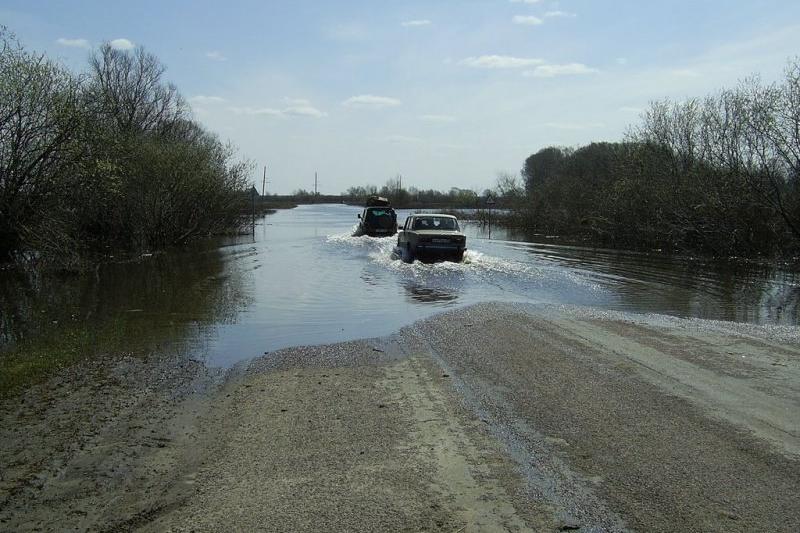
{"x": 99, "y": 445}
{"x": 490, "y": 418}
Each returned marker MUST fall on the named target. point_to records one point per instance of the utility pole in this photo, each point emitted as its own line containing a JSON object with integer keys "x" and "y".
{"x": 253, "y": 193}
{"x": 489, "y": 204}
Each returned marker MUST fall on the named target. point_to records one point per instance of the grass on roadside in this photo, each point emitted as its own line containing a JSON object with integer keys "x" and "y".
{"x": 33, "y": 361}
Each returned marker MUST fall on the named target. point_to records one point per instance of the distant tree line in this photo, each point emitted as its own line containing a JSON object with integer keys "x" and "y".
{"x": 718, "y": 175}
{"x": 108, "y": 158}
{"x": 412, "y": 197}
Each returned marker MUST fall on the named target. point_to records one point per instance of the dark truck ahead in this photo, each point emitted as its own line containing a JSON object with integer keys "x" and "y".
{"x": 432, "y": 236}
{"x": 378, "y": 219}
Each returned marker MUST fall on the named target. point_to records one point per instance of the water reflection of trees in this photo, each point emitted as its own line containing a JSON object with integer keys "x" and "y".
{"x": 731, "y": 290}
{"x": 741, "y": 291}
{"x": 143, "y": 304}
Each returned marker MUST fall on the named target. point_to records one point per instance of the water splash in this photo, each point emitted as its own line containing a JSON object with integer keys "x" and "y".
{"x": 504, "y": 273}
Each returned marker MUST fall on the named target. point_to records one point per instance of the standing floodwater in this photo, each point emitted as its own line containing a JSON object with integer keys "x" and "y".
{"x": 307, "y": 280}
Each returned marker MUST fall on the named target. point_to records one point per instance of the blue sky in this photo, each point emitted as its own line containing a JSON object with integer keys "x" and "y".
{"x": 447, "y": 93}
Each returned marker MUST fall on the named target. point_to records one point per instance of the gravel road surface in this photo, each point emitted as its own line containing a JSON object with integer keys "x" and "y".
{"x": 496, "y": 417}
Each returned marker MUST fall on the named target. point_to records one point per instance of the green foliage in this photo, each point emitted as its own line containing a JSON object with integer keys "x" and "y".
{"x": 106, "y": 159}
{"x": 33, "y": 361}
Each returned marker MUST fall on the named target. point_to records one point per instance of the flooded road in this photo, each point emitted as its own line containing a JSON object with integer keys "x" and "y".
{"x": 306, "y": 280}
{"x": 524, "y": 411}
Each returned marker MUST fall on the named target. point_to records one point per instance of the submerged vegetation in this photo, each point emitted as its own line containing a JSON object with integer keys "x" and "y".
{"x": 718, "y": 175}
{"x": 106, "y": 159}
{"x": 111, "y": 159}
{"x": 51, "y": 320}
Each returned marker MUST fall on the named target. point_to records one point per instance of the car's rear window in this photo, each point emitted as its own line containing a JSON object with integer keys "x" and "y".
{"x": 443, "y": 223}
{"x": 381, "y": 218}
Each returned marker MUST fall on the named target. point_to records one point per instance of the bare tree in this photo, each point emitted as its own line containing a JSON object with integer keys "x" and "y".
{"x": 509, "y": 185}
{"x": 772, "y": 142}
{"x": 128, "y": 89}
{"x": 39, "y": 118}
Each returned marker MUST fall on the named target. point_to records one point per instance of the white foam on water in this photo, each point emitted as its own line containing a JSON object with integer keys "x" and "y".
{"x": 383, "y": 251}
{"x": 363, "y": 242}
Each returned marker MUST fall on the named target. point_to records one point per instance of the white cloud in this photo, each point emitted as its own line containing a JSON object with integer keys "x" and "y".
{"x": 527, "y": 20}
{"x": 371, "y": 101}
{"x": 412, "y": 23}
{"x": 304, "y": 111}
{"x": 495, "y": 61}
{"x": 297, "y": 108}
{"x": 73, "y": 43}
{"x": 574, "y": 125}
{"x": 551, "y": 71}
{"x": 437, "y": 118}
{"x": 216, "y": 55}
{"x": 559, "y": 14}
{"x": 122, "y": 44}
{"x": 622, "y": 61}
{"x": 256, "y": 111}
{"x": 524, "y": 1}
{"x": 201, "y": 99}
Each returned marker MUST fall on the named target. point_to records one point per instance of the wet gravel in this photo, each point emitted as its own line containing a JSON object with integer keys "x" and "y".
{"x": 567, "y": 417}
{"x": 607, "y": 447}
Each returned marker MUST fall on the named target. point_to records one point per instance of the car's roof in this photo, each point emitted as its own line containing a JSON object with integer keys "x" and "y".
{"x": 432, "y": 215}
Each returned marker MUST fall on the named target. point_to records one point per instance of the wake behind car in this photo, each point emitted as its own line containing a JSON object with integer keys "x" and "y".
{"x": 432, "y": 236}
{"x": 378, "y": 219}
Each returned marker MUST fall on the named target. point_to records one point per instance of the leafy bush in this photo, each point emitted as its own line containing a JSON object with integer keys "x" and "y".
{"x": 110, "y": 158}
